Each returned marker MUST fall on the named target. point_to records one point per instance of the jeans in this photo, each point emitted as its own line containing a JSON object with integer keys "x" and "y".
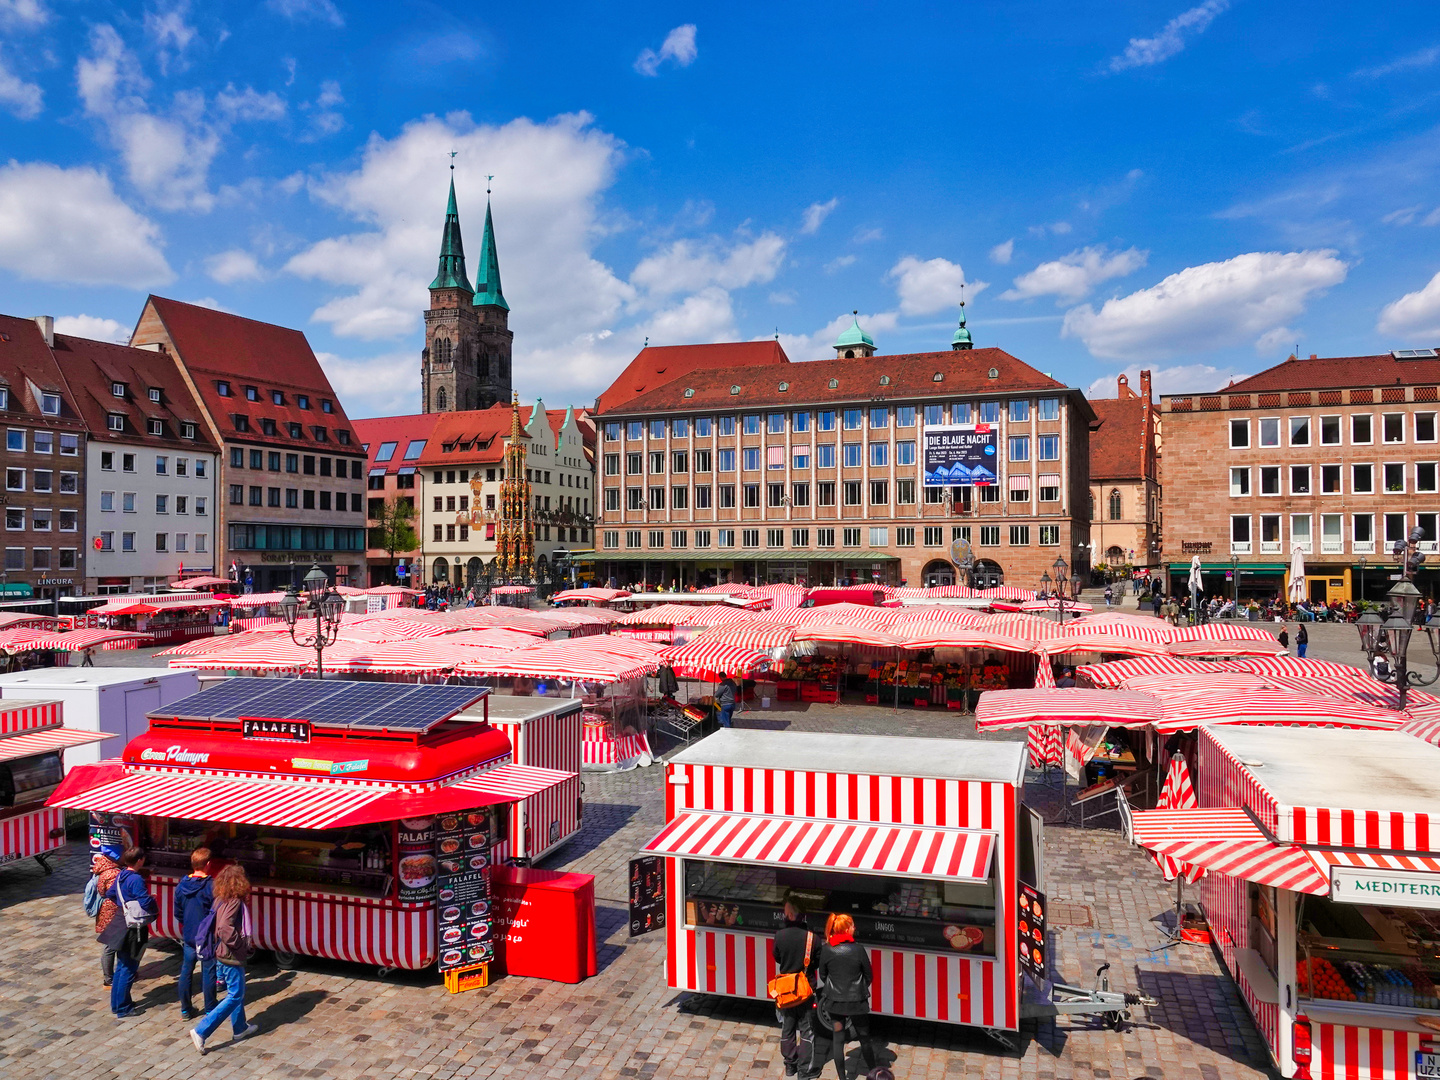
{"x": 233, "y": 1006}
{"x": 726, "y": 711}
{"x": 126, "y": 968}
{"x": 207, "y": 979}
{"x": 1300, "y": 649}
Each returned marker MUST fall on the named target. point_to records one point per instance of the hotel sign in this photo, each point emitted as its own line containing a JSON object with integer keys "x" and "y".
{"x": 1397, "y": 888}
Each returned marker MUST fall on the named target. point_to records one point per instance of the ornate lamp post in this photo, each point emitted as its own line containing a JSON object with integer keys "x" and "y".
{"x": 325, "y": 604}
{"x": 1062, "y": 577}
{"x": 1387, "y": 641}
{"x": 1235, "y": 584}
{"x": 1362, "y": 563}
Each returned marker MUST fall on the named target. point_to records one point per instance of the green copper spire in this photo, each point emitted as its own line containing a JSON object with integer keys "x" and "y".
{"x": 961, "y": 340}
{"x": 854, "y": 336}
{"x": 452, "y": 250}
{"x": 488, "y": 277}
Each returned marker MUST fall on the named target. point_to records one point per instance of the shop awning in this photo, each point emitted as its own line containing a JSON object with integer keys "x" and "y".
{"x": 506, "y": 783}
{"x": 733, "y": 555}
{"x": 31, "y": 743}
{"x": 1365, "y": 860}
{"x": 1070, "y": 706}
{"x": 859, "y": 847}
{"x": 1228, "y": 842}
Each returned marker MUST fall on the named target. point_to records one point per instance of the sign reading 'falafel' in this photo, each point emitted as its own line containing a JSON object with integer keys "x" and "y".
{"x": 464, "y": 924}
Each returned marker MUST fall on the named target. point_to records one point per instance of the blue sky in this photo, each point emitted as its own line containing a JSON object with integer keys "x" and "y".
{"x": 1191, "y": 188}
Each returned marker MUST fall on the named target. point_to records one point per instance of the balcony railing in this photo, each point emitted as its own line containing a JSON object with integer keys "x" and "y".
{"x": 1332, "y": 547}
{"x": 1239, "y": 547}
{"x": 1268, "y": 547}
{"x": 1363, "y": 547}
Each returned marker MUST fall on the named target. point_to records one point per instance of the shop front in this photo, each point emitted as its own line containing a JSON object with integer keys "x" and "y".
{"x": 759, "y": 567}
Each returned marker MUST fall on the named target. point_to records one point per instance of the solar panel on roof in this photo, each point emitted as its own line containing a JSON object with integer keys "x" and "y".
{"x": 358, "y": 699}
{"x": 294, "y": 699}
{"x": 222, "y": 700}
{"x": 421, "y": 709}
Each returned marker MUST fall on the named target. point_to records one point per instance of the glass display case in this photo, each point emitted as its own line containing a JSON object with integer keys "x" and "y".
{"x": 1379, "y": 956}
{"x": 29, "y": 780}
{"x": 911, "y": 913}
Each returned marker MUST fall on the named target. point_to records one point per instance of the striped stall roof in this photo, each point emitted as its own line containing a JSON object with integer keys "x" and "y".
{"x": 1425, "y": 725}
{"x": 509, "y": 782}
{"x": 1371, "y": 860}
{"x": 1265, "y": 706}
{"x": 1266, "y": 646}
{"x": 896, "y": 850}
{"x": 591, "y": 595}
{"x": 76, "y": 640}
{"x": 934, "y": 634}
{"x": 44, "y": 741}
{"x": 848, "y": 633}
{"x": 1113, "y": 674}
{"x": 1107, "y": 643}
{"x": 1227, "y": 841}
{"x": 22, "y": 714}
{"x": 1221, "y": 631}
{"x": 1065, "y": 705}
{"x": 758, "y": 635}
{"x": 706, "y": 657}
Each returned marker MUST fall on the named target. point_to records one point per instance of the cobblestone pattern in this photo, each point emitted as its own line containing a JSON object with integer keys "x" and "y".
{"x": 342, "y": 1021}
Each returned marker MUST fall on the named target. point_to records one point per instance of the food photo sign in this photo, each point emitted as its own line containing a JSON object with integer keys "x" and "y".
{"x": 464, "y": 925}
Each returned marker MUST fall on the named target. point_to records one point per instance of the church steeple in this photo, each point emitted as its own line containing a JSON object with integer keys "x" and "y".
{"x": 452, "y": 250}
{"x": 962, "y": 339}
{"x": 487, "y": 277}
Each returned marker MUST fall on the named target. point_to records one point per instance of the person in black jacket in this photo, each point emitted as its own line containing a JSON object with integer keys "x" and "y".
{"x": 845, "y": 978}
{"x": 789, "y": 946}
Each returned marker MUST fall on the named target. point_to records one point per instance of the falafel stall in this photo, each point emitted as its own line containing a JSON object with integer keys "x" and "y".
{"x": 367, "y": 815}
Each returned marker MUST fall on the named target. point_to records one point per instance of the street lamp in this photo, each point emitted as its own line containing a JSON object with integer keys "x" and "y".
{"x": 1387, "y": 642}
{"x": 1061, "y": 577}
{"x": 1235, "y": 584}
{"x": 1362, "y": 563}
{"x": 325, "y": 604}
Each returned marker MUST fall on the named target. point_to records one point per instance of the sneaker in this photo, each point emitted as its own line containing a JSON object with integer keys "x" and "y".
{"x": 186, "y": 1014}
{"x": 252, "y": 1029}
{"x": 197, "y": 1039}
{"x": 105, "y": 982}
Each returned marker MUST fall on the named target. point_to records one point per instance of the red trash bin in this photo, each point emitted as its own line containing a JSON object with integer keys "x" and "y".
{"x": 546, "y": 920}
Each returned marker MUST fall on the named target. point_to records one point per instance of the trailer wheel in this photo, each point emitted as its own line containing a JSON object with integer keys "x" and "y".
{"x": 284, "y": 960}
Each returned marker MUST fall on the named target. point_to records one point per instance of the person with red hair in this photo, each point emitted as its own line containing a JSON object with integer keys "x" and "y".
{"x": 845, "y": 978}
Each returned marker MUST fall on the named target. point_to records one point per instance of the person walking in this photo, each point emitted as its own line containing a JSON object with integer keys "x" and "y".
{"x": 1156, "y": 603}
{"x": 128, "y": 930}
{"x": 193, "y": 899}
{"x": 725, "y": 700}
{"x": 797, "y": 955}
{"x": 1284, "y": 637}
{"x": 1109, "y": 595}
{"x": 1302, "y": 639}
{"x": 106, "y": 869}
{"x": 845, "y": 978}
{"x": 233, "y": 946}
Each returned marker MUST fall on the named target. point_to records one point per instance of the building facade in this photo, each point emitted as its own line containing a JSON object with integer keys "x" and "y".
{"x": 44, "y": 466}
{"x": 291, "y": 489}
{"x": 393, "y": 446}
{"x": 150, "y": 512}
{"x": 1334, "y": 456}
{"x": 1126, "y": 507}
{"x": 812, "y": 472}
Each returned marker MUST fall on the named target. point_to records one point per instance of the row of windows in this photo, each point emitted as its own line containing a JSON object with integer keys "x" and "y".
{"x": 852, "y": 455}
{"x": 878, "y": 418}
{"x": 49, "y": 403}
{"x": 295, "y": 538}
{"x": 272, "y": 461}
{"x": 878, "y": 536}
{"x": 535, "y": 476}
{"x": 41, "y": 520}
{"x": 1365, "y": 479}
{"x": 163, "y": 542}
{"x": 1329, "y": 430}
{"x": 295, "y": 499}
{"x": 461, "y": 534}
{"x": 776, "y": 494}
{"x": 163, "y": 503}
{"x": 41, "y": 442}
{"x": 120, "y": 424}
{"x": 42, "y": 480}
{"x": 40, "y": 558}
{"x": 1332, "y": 532}
{"x": 277, "y": 397}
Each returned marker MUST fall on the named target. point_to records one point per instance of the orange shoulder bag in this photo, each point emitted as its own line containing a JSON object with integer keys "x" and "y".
{"x": 793, "y": 989}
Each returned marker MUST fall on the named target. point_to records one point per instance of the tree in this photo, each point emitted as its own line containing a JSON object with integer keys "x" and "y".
{"x": 396, "y": 529}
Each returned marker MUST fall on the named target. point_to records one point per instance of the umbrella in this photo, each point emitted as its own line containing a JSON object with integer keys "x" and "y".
{"x": 1297, "y": 574}
{"x": 1194, "y": 582}
{"x": 1115, "y": 673}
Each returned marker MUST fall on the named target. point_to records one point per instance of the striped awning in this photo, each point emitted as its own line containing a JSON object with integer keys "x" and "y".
{"x": 705, "y": 657}
{"x": 1262, "y": 705}
{"x": 510, "y": 782}
{"x": 77, "y": 640}
{"x": 30, "y": 743}
{"x": 1114, "y": 673}
{"x": 1426, "y": 726}
{"x": 1227, "y": 841}
{"x": 1067, "y": 706}
{"x": 503, "y": 784}
{"x": 1209, "y": 646}
{"x": 1358, "y": 860}
{"x": 1107, "y": 643}
{"x": 859, "y": 847}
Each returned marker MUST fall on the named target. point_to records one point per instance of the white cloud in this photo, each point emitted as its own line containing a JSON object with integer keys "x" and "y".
{"x": 821, "y": 344}
{"x": 1415, "y": 317}
{"x": 325, "y": 116}
{"x": 1003, "y": 253}
{"x": 1410, "y": 62}
{"x": 1179, "y": 379}
{"x": 167, "y": 32}
{"x": 866, "y": 236}
{"x": 249, "y": 104}
{"x": 679, "y": 46}
{"x": 930, "y": 286}
{"x": 1273, "y": 341}
{"x": 26, "y": 13}
{"x": 384, "y": 385}
{"x": 93, "y": 327}
{"x": 234, "y": 265}
{"x": 840, "y": 262}
{"x": 307, "y": 11}
{"x": 815, "y": 215}
{"x": 686, "y": 266}
{"x": 210, "y": 302}
{"x": 1074, "y": 276}
{"x": 1206, "y": 307}
{"x": 24, "y": 100}
{"x": 1143, "y": 52}
{"x": 69, "y": 226}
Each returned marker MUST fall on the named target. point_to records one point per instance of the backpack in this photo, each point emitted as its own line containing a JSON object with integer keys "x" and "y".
{"x": 205, "y": 937}
{"x": 792, "y": 989}
{"x": 93, "y": 900}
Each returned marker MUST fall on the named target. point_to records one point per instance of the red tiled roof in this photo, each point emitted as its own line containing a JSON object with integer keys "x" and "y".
{"x": 1117, "y": 442}
{"x": 656, "y": 365}
{"x": 27, "y": 368}
{"x": 216, "y": 346}
{"x": 911, "y": 375}
{"x": 93, "y": 367}
{"x": 375, "y": 431}
{"x": 1338, "y": 372}
{"x": 483, "y": 431}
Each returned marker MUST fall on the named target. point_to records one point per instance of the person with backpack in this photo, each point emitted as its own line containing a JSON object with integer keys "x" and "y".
{"x": 128, "y": 930}
{"x": 845, "y": 978}
{"x": 104, "y": 869}
{"x": 797, "y": 954}
{"x": 193, "y": 899}
{"x": 226, "y": 935}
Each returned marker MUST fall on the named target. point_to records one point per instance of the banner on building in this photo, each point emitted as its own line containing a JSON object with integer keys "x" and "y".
{"x": 960, "y": 454}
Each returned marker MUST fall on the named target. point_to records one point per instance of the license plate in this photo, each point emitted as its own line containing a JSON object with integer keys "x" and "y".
{"x": 1427, "y": 1066}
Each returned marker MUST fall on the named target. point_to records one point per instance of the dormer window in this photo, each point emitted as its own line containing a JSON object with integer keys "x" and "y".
{"x": 115, "y": 421}
{"x": 155, "y": 395}
{"x": 117, "y": 389}
{"x": 784, "y": 386}
{"x": 296, "y": 431}
{"x": 834, "y": 384}
{"x": 267, "y": 426}
{"x": 4, "y": 397}
{"x": 155, "y": 427}
{"x": 343, "y": 436}
{"x": 734, "y": 391}
{"x": 277, "y": 398}
{"x": 50, "y": 404}
{"x": 187, "y": 431}
{"x": 222, "y": 388}
{"x": 689, "y": 391}
{"x": 319, "y": 433}
{"x": 939, "y": 376}
{"x": 303, "y": 400}
{"x": 884, "y": 380}
{"x": 252, "y": 393}
{"x": 326, "y": 405}
{"x": 242, "y": 422}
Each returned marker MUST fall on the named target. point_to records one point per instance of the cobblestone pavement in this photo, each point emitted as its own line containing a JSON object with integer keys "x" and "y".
{"x": 329, "y": 1019}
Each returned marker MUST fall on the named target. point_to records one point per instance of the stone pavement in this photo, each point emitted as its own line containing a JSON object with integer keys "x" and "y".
{"x": 328, "y": 1019}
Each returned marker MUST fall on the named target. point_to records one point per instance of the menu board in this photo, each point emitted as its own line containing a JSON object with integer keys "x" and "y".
{"x": 1030, "y": 932}
{"x": 111, "y": 834}
{"x": 463, "y": 911}
{"x": 647, "y": 895}
{"x": 415, "y": 860}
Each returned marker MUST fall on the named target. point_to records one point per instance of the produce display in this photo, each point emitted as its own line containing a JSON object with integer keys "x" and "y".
{"x": 1318, "y": 978}
{"x": 924, "y": 684}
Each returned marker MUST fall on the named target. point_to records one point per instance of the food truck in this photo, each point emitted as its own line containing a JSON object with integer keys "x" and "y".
{"x": 1321, "y": 852}
{"x": 33, "y": 740}
{"x": 543, "y": 731}
{"x": 367, "y": 815}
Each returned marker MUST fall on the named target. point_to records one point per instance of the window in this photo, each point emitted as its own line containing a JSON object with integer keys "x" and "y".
{"x": 326, "y": 405}
{"x": 386, "y": 451}
{"x": 702, "y": 497}
{"x": 272, "y": 497}
{"x": 634, "y": 464}
{"x": 960, "y": 412}
{"x": 1330, "y": 479}
{"x": 222, "y": 388}
{"x": 1240, "y": 535}
{"x": 1299, "y": 431}
{"x": 162, "y": 541}
{"x": 879, "y": 536}
{"x": 989, "y": 535}
{"x": 1362, "y": 479}
{"x": 1425, "y": 478}
{"x": 826, "y": 420}
{"x": 905, "y": 492}
{"x": 879, "y": 493}
{"x": 679, "y": 498}
{"x": 292, "y": 463}
{"x": 853, "y": 419}
{"x": 1394, "y": 530}
{"x": 69, "y": 520}
{"x": 1048, "y": 409}
{"x": 308, "y": 467}
{"x": 107, "y": 500}
{"x": 775, "y": 457}
{"x": 1239, "y": 482}
{"x": 1393, "y": 427}
{"x": 774, "y": 494}
{"x": 905, "y": 536}
{"x": 162, "y": 504}
{"x": 252, "y": 393}
{"x": 825, "y": 538}
{"x": 1020, "y": 488}
{"x": 879, "y": 455}
{"x": 725, "y": 460}
{"x": 162, "y": 465}
{"x": 934, "y": 536}
{"x": 1019, "y": 535}
{"x": 1239, "y": 434}
{"x": 905, "y": 416}
{"x": 727, "y": 425}
{"x": 657, "y": 462}
{"x": 751, "y": 495}
{"x": 1329, "y": 431}
{"x": 634, "y": 429}
{"x": 237, "y": 495}
{"x": 296, "y": 431}
{"x": 825, "y": 456}
{"x": 1270, "y": 480}
{"x": 50, "y": 404}
{"x": 752, "y": 458}
{"x": 1049, "y": 535}
{"x": 988, "y": 493}
{"x": 680, "y": 462}
{"x": 1425, "y": 427}
{"x": 750, "y": 538}
{"x": 1116, "y": 507}
{"x": 725, "y": 538}
{"x": 1049, "y": 489}
{"x": 303, "y": 401}
{"x": 678, "y": 538}
{"x": 1048, "y": 447}
{"x": 800, "y": 421}
{"x": 853, "y": 457}
{"x": 1300, "y": 532}
{"x": 879, "y": 418}
{"x": 657, "y": 538}
{"x": 657, "y": 498}
{"x": 1361, "y": 429}
{"x": 15, "y": 521}
{"x": 775, "y": 423}
{"x": 989, "y": 412}
{"x": 934, "y": 414}
{"x": 775, "y": 538}
{"x": 115, "y": 421}
{"x": 612, "y": 499}
{"x": 44, "y": 480}
{"x": 612, "y": 464}
{"x": 612, "y": 433}
{"x": 257, "y": 497}
{"x": 801, "y": 459}
{"x": 702, "y": 461}
{"x": 40, "y": 558}
{"x": 1270, "y": 431}
{"x": 905, "y": 452}
{"x": 825, "y": 493}
{"x": 14, "y": 479}
{"x": 267, "y": 426}
{"x": 725, "y": 496}
{"x": 752, "y": 424}
{"x": 127, "y": 541}
{"x": 1020, "y": 448}
{"x": 657, "y": 429}
{"x": 1299, "y": 479}
{"x": 852, "y": 493}
{"x": 15, "y": 442}
{"x": 1019, "y": 412}
{"x": 1394, "y": 477}
{"x": 1426, "y": 523}
{"x": 1363, "y": 533}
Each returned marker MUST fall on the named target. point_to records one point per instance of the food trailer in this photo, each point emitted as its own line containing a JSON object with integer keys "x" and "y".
{"x": 924, "y": 842}
{"x": 545, "y": 732}
{"x": 32, "y": 744}
{"x": 367, "y": 815}
{"x": 1321, "y": 852}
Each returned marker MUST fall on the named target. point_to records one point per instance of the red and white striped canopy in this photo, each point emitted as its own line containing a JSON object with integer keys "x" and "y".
{"x": 1328, "y": 677}
{"x": 706, "y": 658}
{"x": 782, "y": 596}
{"x": 1425, "y": 725}
{"x": 269, "y": 652}
{"x": 592, "y": 595}
{"x": 1264, "y": 706}
{"x": 1178, "y": 794}
{"x": 1065, "y": 705}
{"x": 511, "y": 590}
{"x": 942, "y": 635}
{"x": 29, "y": 743}
{"x": 1425, "y": 864}
{"x": 1356, "y": 686}
{"x": 602, "y": 658}
{"x": 730, "y": 588}
{"x": 1139, "y": 628}
{"x": 1055, "y": 605}
{"x": 76, "y": 640}
{"x": 1227, "y": 841}
{"x": 758, "y": 635}
{"x": 1115, "y": 673}
{"x": 848, "y": 633}
{"x": 1029, "y": 627}
{"x": 1266, "y": 646}
{"x": 21, "y": 639}
{"x": 512, "y": 782}
{"x": 202, "y": 646}
{"x": 1161, "y": 686}
{"x": 1104, "y": 643}
{"x": 685, "y": 615}
{"x": 1221, "y": 631}
{"x": 898, "y": 850}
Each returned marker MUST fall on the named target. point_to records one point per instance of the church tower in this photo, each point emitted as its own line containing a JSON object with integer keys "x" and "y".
{"x": 466, "y": 360}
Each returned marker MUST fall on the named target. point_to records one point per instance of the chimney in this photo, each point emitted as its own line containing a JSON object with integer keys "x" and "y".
{"x": 1145, "y": 383}
{"x": 1313, "y": 356}
{"x": 47, "y": 329}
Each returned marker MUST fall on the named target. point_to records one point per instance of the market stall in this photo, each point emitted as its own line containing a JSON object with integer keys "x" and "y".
{"x": 366, "y": 814}
{"x": 164, "y": 618}
{"x": 543, "y": 732}
{"x": 1322, "y": 888}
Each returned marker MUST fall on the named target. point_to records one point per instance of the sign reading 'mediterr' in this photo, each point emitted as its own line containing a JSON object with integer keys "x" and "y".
{"x": 1355, "y": 885}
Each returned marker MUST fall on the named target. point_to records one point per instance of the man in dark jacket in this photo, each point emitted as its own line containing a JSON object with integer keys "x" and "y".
{"x": 790, "y": 947}
{"x": 193, "y": 898}
{"x": 725, "y": 700}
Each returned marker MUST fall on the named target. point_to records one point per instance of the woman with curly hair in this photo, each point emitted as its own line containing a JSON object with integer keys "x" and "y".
{"x": 234, "y": 945}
